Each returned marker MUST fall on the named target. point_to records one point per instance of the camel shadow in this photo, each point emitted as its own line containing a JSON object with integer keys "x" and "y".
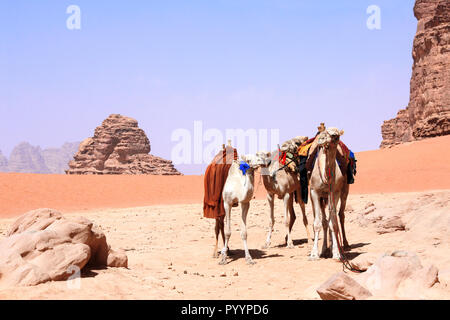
{"x": 296, "y": 242}
{"x": 91, "y": 271}
{"x": 352, "y": 255}
{"x": 358, "y": 245}
{"x": 255, "y": 253}
{"x": 88, "y": 273}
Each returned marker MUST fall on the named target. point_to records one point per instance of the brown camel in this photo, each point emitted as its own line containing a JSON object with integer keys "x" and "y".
{"x": 326, "y": 187}
{"x": 283, "y": 183}
{"x": 346, "y": 187}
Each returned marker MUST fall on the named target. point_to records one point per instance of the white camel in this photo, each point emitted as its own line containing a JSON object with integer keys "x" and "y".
{"x": 239, "y": 188}
{"x": 326, "y": 177}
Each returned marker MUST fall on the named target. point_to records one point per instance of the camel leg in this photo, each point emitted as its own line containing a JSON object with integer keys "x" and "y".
{"x": 217, "y": 231}
{"x": 227, "y": 232}
{"x": 287, "y": 204}
{"x": 291, "y": 212}
{"x": 292, "y": 216}
{"x": 270, "y": 199}
{"x": 344, "y": 196}
{"x": 305, "y": 221}
{"x": 245, "y": 207}
{"x": 325, "y": 244}
{"x": 334, "y": 228}
{"x": 315, "y": 201}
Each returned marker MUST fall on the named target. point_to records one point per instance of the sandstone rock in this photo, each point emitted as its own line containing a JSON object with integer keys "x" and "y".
{"x": 391, "y": 225}
{"x": 384, "y": 277}
{"x": 396, "y": 275}
{"x": 117, "y": 258}
{"x": 118, "y": 146}
{"x": 428, "y": 111}
{"x": 428, "y": 276}
{"x": 444, "y": 277}
{"x": 364, "y": 261}
{"x": 43, "y": 245}
{"x": 342, "y": 287}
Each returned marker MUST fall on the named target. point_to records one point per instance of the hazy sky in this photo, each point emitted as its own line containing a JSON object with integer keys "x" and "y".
{"x": 260, "y": 64}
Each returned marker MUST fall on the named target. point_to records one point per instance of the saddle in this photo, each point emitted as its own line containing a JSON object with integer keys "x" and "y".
{"x": 215, "y": 177}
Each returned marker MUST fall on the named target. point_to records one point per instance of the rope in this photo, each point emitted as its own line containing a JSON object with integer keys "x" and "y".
{"x": 346, "y": 264}
{"x": 257, "y": 186}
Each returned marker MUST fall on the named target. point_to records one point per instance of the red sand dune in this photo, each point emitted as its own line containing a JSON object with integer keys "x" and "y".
{"x": 416, "y": 166}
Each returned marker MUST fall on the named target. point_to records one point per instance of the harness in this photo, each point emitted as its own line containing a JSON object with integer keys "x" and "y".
{"x": 282, "y": 160}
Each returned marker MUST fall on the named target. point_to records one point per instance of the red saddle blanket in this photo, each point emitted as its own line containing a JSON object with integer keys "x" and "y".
{"x": 215, "y": 177}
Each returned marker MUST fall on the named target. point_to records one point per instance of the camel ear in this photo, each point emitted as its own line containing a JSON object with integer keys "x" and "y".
{"x": 341, "y": 133}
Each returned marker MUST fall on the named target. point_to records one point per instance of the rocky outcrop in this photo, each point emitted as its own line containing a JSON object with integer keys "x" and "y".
{"x": 118, "y": 146}
{"x": 26, "y": 158}
{"x": 396, "y": 275}
{"x": 43, "y": 245}
{"x": 428, "y": 111}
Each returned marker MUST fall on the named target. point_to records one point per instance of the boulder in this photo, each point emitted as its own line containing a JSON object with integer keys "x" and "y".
{"x": 396, "y": 275}
{"x": 43, "y": 245}
{"x": 364, "y": 261}
{"x": 342, "y": 287}
{"x": 444, "y": 277}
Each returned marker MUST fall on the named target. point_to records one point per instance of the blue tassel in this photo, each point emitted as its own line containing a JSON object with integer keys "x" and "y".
{"x": 243, "y": 166}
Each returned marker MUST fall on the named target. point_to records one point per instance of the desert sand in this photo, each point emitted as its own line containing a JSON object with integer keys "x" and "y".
{"x": 415, "y": 166}
{"x": 158, "y": 221}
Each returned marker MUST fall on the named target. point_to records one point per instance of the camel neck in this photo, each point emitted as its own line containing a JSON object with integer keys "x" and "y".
{"x": 329, "y": 165}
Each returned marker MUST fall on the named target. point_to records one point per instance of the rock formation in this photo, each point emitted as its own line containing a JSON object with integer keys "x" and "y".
{"x": 3, "y": 163}
{"x": 118, "y": 146}
{"x": 57, "y": 159}
{"x": 43, "y": 245}
{"x": 428, "y": 111}
{"x": 396, "y": 275}
{"x": 26, "y": 158}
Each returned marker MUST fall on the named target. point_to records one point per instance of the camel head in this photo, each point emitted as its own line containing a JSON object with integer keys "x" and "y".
{"x": 329, "y": 137}
{"x": 265, "y": 158}
{"x": 254, "y": 160}
{"x": 293, "y": 144}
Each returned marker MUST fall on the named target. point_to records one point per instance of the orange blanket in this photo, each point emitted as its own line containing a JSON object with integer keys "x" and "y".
{"x": 215, "y": 176}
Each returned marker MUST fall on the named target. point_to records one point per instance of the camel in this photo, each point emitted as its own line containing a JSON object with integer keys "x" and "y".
{"x": 325, "y": 177}
{"x": 283, "y": 183}
{"x": 239, "y": 188}
{"x": 346, "y": 188}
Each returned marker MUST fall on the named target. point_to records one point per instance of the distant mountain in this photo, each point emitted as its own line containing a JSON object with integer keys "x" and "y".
{"x": 3, "y": 163}
{"x": 26, "y": 158}
{"x": 57, "y": 160}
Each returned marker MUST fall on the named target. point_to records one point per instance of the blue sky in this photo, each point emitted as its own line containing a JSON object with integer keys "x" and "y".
{"x": 230, "y": 63}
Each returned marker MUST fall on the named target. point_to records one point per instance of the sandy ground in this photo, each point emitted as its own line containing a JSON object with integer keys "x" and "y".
{"x": 158, "y": 221}
{"x": 170, "y": 252}
{"x": 417, "y": 166}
